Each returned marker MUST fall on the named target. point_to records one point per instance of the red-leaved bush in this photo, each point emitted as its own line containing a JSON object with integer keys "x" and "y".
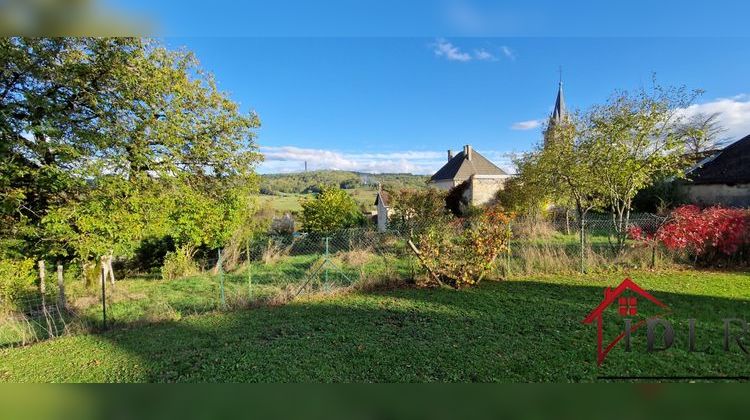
{"x": 706, "y": 232}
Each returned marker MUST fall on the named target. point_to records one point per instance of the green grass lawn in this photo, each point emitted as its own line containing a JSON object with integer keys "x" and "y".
{"x": 526, "y": 329}
{"x": 282, "y": 203}
{"x": 150, "y": 299}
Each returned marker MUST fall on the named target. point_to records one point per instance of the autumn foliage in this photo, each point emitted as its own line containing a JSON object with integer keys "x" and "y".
{"x": 706, "y": 234}
{"x": 463, "y": 251}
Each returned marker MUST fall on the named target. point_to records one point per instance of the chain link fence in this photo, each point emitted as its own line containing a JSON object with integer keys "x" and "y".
{"x": 274, "y": 269}
{"x": 562, "y": 243}
{"x": 265, "y": 270}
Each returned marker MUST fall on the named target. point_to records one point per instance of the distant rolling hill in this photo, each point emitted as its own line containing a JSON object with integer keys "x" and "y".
{"x": 307, "y": 182}
{"x": 282, "y": 193}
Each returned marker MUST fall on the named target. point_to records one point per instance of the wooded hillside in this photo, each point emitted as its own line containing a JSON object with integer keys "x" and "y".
{"x": 308, "y": 182}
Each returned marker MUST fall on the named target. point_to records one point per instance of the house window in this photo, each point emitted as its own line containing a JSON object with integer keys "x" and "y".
{"x": 628, "y": 306}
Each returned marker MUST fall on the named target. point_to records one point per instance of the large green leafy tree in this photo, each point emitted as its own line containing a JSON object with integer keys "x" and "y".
{"x": 562, "y": 170}
{"x": 331, "y": 209}
{"x": 113, "y": 137}
{"x": 638, "y": 139}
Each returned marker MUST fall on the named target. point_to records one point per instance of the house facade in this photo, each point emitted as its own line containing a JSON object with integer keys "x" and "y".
{"x": 484, "y": 177}
{"x": 721, "y": 179}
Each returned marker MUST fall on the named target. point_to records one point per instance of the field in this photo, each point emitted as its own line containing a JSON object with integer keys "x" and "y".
{"x": 290, "y": 202}
{"x": 523, "y": 329}
{"x": 283, "y": 192}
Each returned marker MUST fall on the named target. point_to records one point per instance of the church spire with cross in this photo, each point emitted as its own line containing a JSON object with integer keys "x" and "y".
{"x": 559, "y": 113}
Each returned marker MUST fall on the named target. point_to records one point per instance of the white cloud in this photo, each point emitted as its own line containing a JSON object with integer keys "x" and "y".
{"x": 482, "y": 54}
{"x": 734, "y": 114}
{"x": 526, "y": 125}
{"x": 443, "y": 48}
{"x": 292, "y": 159}
{"x": 508, "y": 53}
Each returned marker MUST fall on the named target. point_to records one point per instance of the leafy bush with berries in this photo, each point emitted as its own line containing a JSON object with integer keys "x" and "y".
{"x": 461, "y": 253}
{"x": 706, "y": 234}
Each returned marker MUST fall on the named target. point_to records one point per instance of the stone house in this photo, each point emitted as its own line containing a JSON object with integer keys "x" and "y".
{"x": 484, "y": 177}
{"x": 722, "y": 178}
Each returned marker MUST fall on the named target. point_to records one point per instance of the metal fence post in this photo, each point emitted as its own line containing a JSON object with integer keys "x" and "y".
{"x": 249, "y": 271}
{"x": 508, "y": 257}
{"x": 221, "y": 281}
{"x": 583, "y": 244}
{"x": 326, "y": 259}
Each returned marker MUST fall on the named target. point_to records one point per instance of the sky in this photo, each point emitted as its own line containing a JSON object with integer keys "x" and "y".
{"x": 398, "y": 104}
{"x": 390, "y": 86}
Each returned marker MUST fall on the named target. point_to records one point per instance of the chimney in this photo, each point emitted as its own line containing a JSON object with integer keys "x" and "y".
{"x": 450, "y": 154}
{"x": 468, "y": 152}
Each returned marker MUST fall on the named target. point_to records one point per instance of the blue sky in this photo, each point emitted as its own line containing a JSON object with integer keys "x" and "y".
{"x": 397, "y": 104}
{"x": 442, "y": 17}
{"x": 390, "y": 85}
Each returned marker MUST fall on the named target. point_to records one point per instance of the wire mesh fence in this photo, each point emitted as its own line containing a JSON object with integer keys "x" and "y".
{"x": 273, "y": 268}
{"x": 266, "y": 269}
{"x": 564, "y": 243}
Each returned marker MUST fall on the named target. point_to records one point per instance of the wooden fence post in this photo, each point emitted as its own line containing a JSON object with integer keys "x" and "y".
{"x": 60, "y": 286}
{"x": 42, "y": 273}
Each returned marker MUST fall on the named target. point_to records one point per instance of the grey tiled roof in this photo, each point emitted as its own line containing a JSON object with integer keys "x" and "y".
{"x": 383, "y": 195}
{"x": 460, "y": 168}
{"x": 730, "y": 166}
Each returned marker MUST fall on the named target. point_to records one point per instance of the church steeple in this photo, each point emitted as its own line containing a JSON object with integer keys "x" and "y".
{"x": 559, "y": 113}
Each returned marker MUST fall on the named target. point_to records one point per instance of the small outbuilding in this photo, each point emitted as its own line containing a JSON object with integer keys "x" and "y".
{"x": 382, "y": 202}
{"x": 722, "y": 178}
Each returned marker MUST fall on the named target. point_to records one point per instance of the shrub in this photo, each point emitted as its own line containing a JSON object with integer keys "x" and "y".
{"x": 16, "y": 276}
{"x": 178, "y": 264}
{"x": 331, "y": 210}
{"x": 462, "y": 252}
{"x": 416, "y": 211}
{"x": 151, "y": 252}
{"x": 706, "y": 234}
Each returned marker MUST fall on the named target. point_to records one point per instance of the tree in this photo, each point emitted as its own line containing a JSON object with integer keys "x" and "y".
{"x": 701, "y": 133}
{"x": 519, "y": 197}
{"x": 561, "y": 170}
{"x": 89, "y": 125}
{"x": 331, "y": 209}
{"x": 417, "y": 210}
{"x": 636, "y": 140}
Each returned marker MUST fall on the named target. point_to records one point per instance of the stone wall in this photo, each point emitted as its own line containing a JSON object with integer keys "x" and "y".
{"x": 710, "y": 194}
{"x": 484, "y": 188}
